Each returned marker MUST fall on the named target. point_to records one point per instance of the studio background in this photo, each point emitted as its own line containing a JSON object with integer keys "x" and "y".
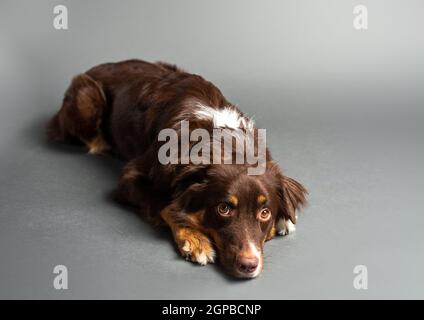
{"x": 343, "y": 111}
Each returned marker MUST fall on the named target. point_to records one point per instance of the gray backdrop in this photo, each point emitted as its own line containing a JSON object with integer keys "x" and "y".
{"x": 342, "y": 109}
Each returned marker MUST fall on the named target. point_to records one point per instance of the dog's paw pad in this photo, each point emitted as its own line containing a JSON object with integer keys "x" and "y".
{"x": 285, "y": 227}
{"x": 196, "y": 247}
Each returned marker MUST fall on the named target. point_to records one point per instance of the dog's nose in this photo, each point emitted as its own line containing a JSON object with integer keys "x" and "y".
{"x": 247, "y": 264}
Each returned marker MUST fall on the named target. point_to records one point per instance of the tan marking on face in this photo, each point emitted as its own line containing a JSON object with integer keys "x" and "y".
{"x": 261, "y": 199}
{"x": 233, "y": 200}
{"x": 272, "y": 233}
{"x": 250, "y": 250}
{"x": 246, "y": 253}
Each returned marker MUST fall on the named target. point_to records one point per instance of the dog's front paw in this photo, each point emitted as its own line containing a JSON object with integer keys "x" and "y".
{"x": 285, "y": 227}
{"x": 195, "y": 246}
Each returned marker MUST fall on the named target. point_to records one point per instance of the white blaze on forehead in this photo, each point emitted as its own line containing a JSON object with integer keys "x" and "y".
{"x": 225, "y": 117}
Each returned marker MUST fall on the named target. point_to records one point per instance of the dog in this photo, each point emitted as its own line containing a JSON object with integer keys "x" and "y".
{"x": 215, "y": 211}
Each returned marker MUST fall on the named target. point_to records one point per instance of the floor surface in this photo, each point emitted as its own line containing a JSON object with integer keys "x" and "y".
{"x": 347, "y": 124}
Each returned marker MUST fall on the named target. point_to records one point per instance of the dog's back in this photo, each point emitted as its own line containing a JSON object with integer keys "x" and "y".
{"x": 122, "y": 106}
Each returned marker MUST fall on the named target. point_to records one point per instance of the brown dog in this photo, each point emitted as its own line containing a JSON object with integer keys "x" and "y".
{"x": 122, "y": 108}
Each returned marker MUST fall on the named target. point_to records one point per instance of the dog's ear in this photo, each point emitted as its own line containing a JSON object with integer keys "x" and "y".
{"x": 188, "y": 175}
{"x": 294, "y": 197}
{"x": 292, "y": 194}
{"x": 191, "y": 185}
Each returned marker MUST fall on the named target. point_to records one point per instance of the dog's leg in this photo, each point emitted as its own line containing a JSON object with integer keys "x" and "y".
{"x": 134, "y": 189}
{"x": 192, "y": 243}
{"x": 81, "y": 115}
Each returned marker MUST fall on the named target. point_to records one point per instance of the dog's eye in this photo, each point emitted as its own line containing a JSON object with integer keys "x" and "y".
{"x": 265, "y": 214}
{"x": 224, "y": 209}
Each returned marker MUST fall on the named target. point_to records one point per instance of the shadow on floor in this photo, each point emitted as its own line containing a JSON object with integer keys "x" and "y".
{"x": 107, "y": 165}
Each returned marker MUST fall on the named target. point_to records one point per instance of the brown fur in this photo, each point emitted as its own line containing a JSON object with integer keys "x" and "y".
{"x": 121, "y": 107}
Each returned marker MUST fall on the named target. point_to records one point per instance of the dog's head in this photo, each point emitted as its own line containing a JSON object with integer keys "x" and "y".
{"x": 239, "y": 212}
